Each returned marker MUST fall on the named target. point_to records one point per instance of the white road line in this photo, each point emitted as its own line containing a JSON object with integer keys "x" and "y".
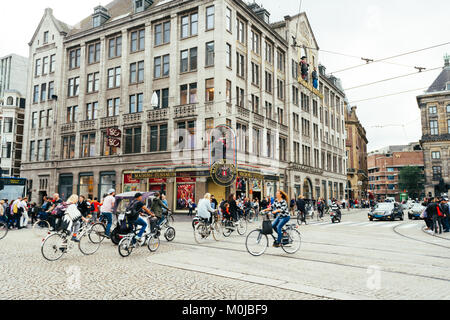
{"x": 391, "y": 225}
{"x": 408, "y": 226}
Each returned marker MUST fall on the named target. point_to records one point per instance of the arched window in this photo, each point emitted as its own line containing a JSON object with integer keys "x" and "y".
{"x": 10, "y": 101}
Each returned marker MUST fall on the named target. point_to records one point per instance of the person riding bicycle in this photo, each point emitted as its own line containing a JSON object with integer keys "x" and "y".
{"x": 280, "y": 207}
{"x": 136, "y": 209}
{"x": 72, "y": 217}
{"x": 204, "y": 208}
{"x": 335, "y": 207}
{"x": 233, "y": 209}
{"x": 157, "y": 208}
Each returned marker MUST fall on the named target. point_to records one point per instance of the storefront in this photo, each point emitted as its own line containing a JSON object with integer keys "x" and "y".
{"x": 86, "y": 185}
{"x": 107, "y": 182}
{"x": 65, "y": 189}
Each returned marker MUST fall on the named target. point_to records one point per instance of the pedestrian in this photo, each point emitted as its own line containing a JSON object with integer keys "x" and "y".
{"x": 164, "y": 200}
{"x": 95, "y": 208}
{"x": 233, "y": 209}
{"x": 321, "y": 208}
{"x": 34, "y": 212}
{"x": 54, "y": 203}
{"x": 445, "y": 208}
{"x": 301, "y": 207}
{"x": 2, "y": 212}
{"x": 433, "y": 215}
{"x": 190, "y": 206}
{"x": 214, "y": 203}
{"x": 83, "y": 206}
{"x": 24, "y": 217}
{"x": 107, "y": 209}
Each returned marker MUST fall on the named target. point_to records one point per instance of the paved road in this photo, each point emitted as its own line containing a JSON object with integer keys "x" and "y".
{"x": 356, "y": 259}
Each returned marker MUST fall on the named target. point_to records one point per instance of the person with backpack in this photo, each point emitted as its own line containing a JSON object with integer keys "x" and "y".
{"x": 157, "y": 209}
{"x": 107, "y": 209}
{"x": 135, "y": 210}
{"x": 95, "y": 208}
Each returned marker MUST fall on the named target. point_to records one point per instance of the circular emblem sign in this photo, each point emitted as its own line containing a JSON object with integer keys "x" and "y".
{"x": 223, "y": 174}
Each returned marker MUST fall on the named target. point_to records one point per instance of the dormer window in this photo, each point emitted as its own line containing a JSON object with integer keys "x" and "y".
{"x": 100, "y": 16}
{"x": 447, "y": 86}
{"x": 45, "y": 37}
{"x": 142, "y": 5}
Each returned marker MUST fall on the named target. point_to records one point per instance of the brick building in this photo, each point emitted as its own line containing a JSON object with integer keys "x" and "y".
{"x": 385, "y": 165}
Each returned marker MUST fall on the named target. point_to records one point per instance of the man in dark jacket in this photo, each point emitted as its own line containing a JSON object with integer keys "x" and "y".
{"x": 432, "y": 214}
{"x": 445, "y": 209}
{"x": 84, "y": 207}
{"x": 301, "y": 207}
{"x": 157, "y": 210}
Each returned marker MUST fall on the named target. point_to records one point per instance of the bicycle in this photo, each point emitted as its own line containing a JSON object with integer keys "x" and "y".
{"x": 240, "y": 226}
{"x": 203, "y": 229}
{"x": 56, "y": 244}
{"x": 290, "y": 243}
{"x": 128, "y": 242}
{"x": 170, "y": 232}
{"x": 3, "y": 230}
{"x": 41, "y": 227}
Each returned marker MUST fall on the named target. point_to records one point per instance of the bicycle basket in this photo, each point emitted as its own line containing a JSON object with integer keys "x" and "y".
{"x": 267, "y": 227}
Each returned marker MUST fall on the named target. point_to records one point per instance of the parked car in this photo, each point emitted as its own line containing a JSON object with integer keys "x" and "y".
{"x": 386, "y": 211}
{"x": 415, "y": 211}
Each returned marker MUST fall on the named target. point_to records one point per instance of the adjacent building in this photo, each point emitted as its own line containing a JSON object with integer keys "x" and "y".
{"x": 356, "y": 144}
{"x": 384, "y": 166}
{"x": 186, "y": 97}
{"x": 13, "y": 84}
{"x": 434, "y": 106}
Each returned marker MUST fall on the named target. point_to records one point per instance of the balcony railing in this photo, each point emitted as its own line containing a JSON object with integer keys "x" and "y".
{"x": 284, "y": 129}
{"x": 272, "y": 124}
{"x": 88, "y": 125}
{"x": 158, "y": 114}
{"x": 258, "y": 119}
{"x": 243, "y": 113}
{"x": 185, "y": 111}
{"x": 69, "y": 127}
{"x": 132, "y": 118}
{"x": 109, "y": 122}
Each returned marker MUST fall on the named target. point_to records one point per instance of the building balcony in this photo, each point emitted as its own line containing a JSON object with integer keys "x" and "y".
{"x": 284, "y": 129}
{"x": 88, "y": 125}
{"x": 132, "y": 118}
{"x": 109, "y": 122}
{"x": 272, "y": 124}
{"x": 185, "y": 111}
{"x": 258, "y": 119}
{"x": 351, "y": 171}
{"x": 68, "y": 128}
{"x": 243, "y": 113}
{"x": 158, "y": 114}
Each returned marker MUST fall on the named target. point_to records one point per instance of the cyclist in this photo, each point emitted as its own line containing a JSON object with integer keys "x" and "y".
{"x": 73, "y": 216}
{"x": 136, "y": 209}
{"x": 335, "y": 207}
{"x": 280, "y": 207}
{"x": 204, "y": 208}
{"x": 107, "y": 208}
{"x": 157, "y": 208}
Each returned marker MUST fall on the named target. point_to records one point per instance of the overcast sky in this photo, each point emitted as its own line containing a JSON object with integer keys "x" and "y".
{"x": 372, "y": 29}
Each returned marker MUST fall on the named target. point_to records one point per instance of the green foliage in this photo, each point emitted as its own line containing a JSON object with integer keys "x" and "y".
{"x": 412, "y": 180}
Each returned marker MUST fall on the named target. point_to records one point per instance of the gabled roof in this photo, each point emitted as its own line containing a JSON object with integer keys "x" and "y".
{"x": 63, "y": 28}
{"x": 440, "y": 84}
{"x": 280, "y": 24}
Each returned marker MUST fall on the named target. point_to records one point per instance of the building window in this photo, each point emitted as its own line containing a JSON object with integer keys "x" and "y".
{"x": 209, "y": 90}
{"x": 229, "y": 58}
{"x": 133, "y": 138}
{"x": 256, "y": 148}
{"x": 93, "y": 82}
{"x": 88, "y": 145}
{"x": 435, "y": 155}
{"x": 158, "y": 137}
{"x": 107, "y": 150}
{"x": 448, "y": 125}
{"x": 47, "y": 150}
{"x": 74, "y": 87}
{"x": 209, "y": 54}
{"x": 189, "y": 25}
{"x": 136, "y": 103}
{"x": 283, "y": 144}
{"x": 280, "y": 60}
{"x": 41, "y": 119}
{"x": 269, "y": 53}
{"x": 434, "y": 130}
{"x": 295, "y": 98}
{"x": 137, "y": 72}
{"x": 210, "y": 18}
{"x": 242, "y": 138}
{"x": 37, "y": 68}
{"x": 45, "y": 37}
{"x": 115, "y": 47}
{"x": 192, "y": 94}
{"x": 240, "y": 60}
{"x": 49, "y": 117}
{"x": 188, "y": 60}
{"x": 432, "y": 110}
{"x": 43, "y": 91}
{"x": 114, "y": 77}
{"x": 71, "y": 115}
{"x": 255, "y": 104}
{"x": 68, "y": 144}
{"x": 162, "y": 33}
{"x": 40, "y": 151}
{"x": 51, "y": 90}
{"x": 44, "y": 65}
{"x": 240, "y": 31}
{"x": 74, "y": 58}
{"x": 32, "y": 155}
{"x": 255, "y": 74}
{"x": 256, "y": 44}
{"x": 137, "y": 40}
{"x": 437, "y": 173}
{"x": 94, "y": 53}
{"x": 163, "y": 98}
{"x": 228, "y": 92}
{"x": 269, "y": 82}
{"x": 296, "y": 120}
{"x": 229, "y": 16}
{"x": 269, "y": 110}
{"x": 240, "y": 97}
{"x": 186, "y": 135}
{"x": 92, "y": 111}
{"x": 448, "y": 108}
{"x": 113, "y": 107}
{"x": 162, "y": 66}
{"x": 280, "y": 89}
{"x": 34, "y": 120}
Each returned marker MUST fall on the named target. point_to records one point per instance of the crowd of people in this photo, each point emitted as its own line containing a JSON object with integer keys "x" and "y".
{"x": 436, "y": 215}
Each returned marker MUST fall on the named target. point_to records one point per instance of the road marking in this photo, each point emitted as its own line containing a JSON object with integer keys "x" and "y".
{"x": 391, "y": 225}
{"x": 408, "y": 226}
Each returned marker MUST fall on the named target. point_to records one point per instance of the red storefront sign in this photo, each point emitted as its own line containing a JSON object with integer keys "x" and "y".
{"x": 186, "y": 180}
{"x": 127, "y": 179}
{"x": 157, "y": 181}
{"x": 113, "y": 142}
{"x": 113, "y": 133}
{"x": 114, "y": 136}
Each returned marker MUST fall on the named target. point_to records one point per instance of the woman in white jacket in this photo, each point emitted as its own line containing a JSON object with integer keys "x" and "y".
{"x": 204, "y": 208}
{"x": 73, "y": 217}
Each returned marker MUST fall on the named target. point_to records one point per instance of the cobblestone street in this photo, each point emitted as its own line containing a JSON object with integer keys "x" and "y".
{"x": 356, "y": 259}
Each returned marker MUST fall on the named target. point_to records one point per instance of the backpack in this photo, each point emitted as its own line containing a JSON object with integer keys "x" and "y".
{"x": 60, "y": 210}
{"x": 15, "y": 208}
{"x": 131, "y": 212}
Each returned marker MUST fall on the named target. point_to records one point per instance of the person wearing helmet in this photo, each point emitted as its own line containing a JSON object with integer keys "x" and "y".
{"x": 107, "y": 208}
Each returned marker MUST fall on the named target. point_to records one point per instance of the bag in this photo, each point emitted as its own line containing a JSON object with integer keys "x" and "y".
{"x": 267, "y": 227}
{"x": 439, "y": 212}
{"x": 60, "y": 210}
{"x": 131, "y": 213}
{"x": 423, "y": 215}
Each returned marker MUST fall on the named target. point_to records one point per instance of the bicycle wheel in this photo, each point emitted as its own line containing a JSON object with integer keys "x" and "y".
{"x": 96, "y": 233}
{"x": 201, "y": 233}
{"x": 170, "y": 234}
{"x": 227, "y": 229}
{"x": 153, "y": 244}
{"x": 53, "y": 247}
{"x": 125, "y": 247}
{"x": 3, "y": 230}
{"x": 256, "y": 243}
{"x": 86, "y": 245}
{"x": 217, "y": 231}
{"x": 295, "y": 241}
{"x": 242, "y": 227}
{"x": 41, "y": 228}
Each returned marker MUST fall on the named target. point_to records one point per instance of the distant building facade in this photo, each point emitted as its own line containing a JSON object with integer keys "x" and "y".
{"x": 385, "y": 165}
{"x": 356, "y": 144}
{"x": 435, "y": 112}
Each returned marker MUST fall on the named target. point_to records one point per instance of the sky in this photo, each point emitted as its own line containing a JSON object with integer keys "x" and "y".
{"x": 372, "y": 29}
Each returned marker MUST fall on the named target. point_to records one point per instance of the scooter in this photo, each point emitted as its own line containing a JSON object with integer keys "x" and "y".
{"x": 335, "y": 216}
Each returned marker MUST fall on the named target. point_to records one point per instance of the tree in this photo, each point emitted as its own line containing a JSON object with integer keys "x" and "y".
{"x": 412, "y": 180}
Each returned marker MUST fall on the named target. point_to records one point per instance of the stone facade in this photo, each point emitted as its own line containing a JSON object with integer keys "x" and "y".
{"x": 357, "y": 172}
{"x": 170, "y": 144}
{"x": 435, "y": 112}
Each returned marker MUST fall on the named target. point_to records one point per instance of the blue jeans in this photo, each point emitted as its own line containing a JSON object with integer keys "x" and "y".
{"x": 141, "y": 222}
{"x": 108, "y": 216}
{"x": 446, "y": 224}
{"x": 278, "y": 224}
